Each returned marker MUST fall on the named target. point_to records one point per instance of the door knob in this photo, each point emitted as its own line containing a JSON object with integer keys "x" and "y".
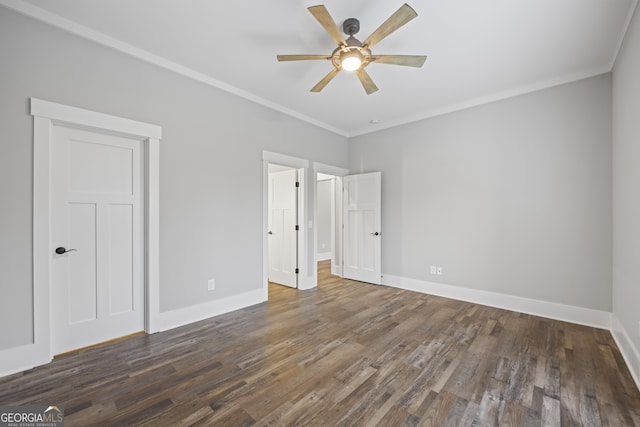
{"x": 61, "y": 250}
{"x": 270, "y": 232}
{"x": 375, "y": 234}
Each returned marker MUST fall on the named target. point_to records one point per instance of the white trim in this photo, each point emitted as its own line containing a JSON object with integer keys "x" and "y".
{"x": 568, "y": 313}
{"x": 629, "y": 352}
{"x": 329, "y": 170}
{"x": 338, "y": 173}
{"x": 309, "y": 281}
{"x": 265, "y": 228}
{"x": 284, "y": 160}
{"x": 18, "y": 359}
{"x": 323, "y": 256}
{"x": 552, "y": 310}
{"x": 483, "y": 100}
{"x": 184, "y": 316}
{"x": 306, "y": 279}
{"x": 105, "y": 40}
{"x": 152, "y": 234}
{"x": 61, "y": 113}
{"x": 308, "y": 276}
{"x": 25, "y": 357}
{"x": 510, "y": 93}
{"x": 46, "y": 114}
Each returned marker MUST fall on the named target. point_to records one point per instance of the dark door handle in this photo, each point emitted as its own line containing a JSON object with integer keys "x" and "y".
{"x": 61, "y": 250}
{"x": 375, "y": 234}
{"x": 270, "y": 232}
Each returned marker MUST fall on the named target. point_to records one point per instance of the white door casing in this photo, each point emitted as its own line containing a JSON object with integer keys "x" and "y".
{"x": 362, "y": 221}
{"x": 97, "y": 206}
{"x": 282, "y": 222}
{"x": 336, "y": 215}
{"x": 45, "y": 115}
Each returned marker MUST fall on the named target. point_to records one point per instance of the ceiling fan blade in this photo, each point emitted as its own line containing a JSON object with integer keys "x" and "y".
{"x": 322, "y": 83}
{"x": 322, "y": 15}
{"x": 301, "y": 57}
{"x": 395, "y": 21}
{"x": 367, "y": 83}
{"x": 408, "y": 60}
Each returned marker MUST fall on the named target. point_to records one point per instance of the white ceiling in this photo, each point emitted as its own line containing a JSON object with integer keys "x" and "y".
{"x": 478, "y": 50}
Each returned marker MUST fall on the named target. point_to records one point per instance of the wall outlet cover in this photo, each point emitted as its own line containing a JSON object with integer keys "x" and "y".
{"x": 211, "y": 284}
{"x": 433, "y": 269}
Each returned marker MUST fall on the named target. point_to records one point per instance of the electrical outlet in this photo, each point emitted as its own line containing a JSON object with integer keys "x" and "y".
{"x": 439, "y": 271}
{"x": 211, "y": 284}
{"x": 433, "y": 269}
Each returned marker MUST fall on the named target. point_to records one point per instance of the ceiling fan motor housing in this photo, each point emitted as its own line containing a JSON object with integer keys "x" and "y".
{"x": 351, "y": 26}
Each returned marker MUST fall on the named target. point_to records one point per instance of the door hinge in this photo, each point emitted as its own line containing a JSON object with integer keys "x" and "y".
{"x": 297, "y": 228}
{"x": 297, "y": 271}
{"x": 297, "y": 184}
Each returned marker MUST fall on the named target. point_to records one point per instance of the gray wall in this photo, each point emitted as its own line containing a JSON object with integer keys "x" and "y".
{"x": 626, "y": 183}
{"x": 511, "y": 197}
{"x": 210, "y": 163}
{"x": 324, "y": 216}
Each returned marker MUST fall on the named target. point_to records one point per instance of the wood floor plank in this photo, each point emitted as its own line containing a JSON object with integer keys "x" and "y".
{"x": 345, "y": 354}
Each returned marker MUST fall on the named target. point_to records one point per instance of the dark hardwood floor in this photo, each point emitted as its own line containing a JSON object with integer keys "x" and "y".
{"x": 347, "y": 353}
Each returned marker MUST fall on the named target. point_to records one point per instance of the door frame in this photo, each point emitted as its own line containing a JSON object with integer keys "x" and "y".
{"x": 336, "y": 215}
{"x": 46, "y": 114}
{"x": 307, "y": 175}
{"x": 304, "y": 281}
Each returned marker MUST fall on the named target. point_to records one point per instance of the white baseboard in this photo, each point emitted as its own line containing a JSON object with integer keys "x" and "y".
{"x": 18, "y": 359}
{"x": 552, "y": 310}
{"x": 22, "y": 358}
{"x": 336, "y": 269}
{"x": 629, "y": 352}
{"x": 323, "y": 256}
{"x": 307, "y": 282}
{"x": 183, "y": 316}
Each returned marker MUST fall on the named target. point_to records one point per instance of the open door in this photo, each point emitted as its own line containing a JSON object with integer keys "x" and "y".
{"x": 283, "y": 227}
{"x": 362, "y": 220}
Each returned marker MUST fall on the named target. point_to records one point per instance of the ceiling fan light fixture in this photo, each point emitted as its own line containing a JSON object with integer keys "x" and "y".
{"x": 351, "y": 60}
{"x": 354, "y": 55}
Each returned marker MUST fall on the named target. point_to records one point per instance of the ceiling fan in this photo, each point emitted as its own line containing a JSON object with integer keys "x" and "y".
{"x": 354, "y": 55}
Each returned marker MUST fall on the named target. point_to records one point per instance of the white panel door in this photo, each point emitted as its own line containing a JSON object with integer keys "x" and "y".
{"x": 283, "y": 214}
{"x": 362, "y": 219}
{"x": 96, "y": 198}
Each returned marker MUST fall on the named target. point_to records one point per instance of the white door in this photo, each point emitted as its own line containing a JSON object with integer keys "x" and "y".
{"x": 362, "y": 207}
{"x": 96, "y": 199}
{"x": 283, "y": 221}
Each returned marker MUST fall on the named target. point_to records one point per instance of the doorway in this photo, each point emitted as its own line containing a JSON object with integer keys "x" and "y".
{"x": 47, "y": 116}
{"x": 329, "y": 199}
{"x": 283, "y": 225}
{"x": 328, "y": 222}
{"x": 325, "y": 218}
{"x": 348, "y": 210}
